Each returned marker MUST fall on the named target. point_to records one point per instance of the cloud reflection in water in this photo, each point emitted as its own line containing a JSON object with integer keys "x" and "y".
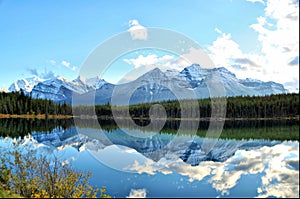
{"x": 278, "y": 165}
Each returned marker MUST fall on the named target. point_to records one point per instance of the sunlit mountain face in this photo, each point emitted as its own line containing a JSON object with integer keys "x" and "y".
{"x": 154, "y": 85}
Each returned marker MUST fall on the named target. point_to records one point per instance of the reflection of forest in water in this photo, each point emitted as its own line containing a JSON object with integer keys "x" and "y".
{"x": 241, "y": 129}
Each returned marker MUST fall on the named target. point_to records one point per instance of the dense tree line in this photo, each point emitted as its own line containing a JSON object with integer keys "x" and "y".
{"x": 20, "y": 127}
{"x": 282, "y": 105}
{"x": 271, "y": 106}
{"x": 19, "y": 103}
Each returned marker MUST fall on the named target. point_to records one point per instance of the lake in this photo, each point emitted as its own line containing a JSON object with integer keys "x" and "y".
{"x": 249, "y": 159}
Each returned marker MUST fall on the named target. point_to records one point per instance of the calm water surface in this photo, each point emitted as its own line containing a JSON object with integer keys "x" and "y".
{"x": 250, "y": 159}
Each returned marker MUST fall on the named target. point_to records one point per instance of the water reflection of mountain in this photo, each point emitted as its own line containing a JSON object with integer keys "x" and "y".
{"x": 155, "y": 146}
{"x": 255, "y": 129}
{"x": 168, "y": 143}
{"x": 192, "y": 150}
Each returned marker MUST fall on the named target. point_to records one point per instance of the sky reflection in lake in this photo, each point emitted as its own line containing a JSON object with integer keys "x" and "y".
{"x": 268, "y": 169}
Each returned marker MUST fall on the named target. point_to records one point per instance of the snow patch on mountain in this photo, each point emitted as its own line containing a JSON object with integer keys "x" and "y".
{"x": 25, "y": 84}
{"x": 89, "y": 83}
{"x": 192, "y": 82}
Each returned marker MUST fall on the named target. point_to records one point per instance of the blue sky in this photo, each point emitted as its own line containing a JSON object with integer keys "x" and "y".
{"x": 55, "y": 37}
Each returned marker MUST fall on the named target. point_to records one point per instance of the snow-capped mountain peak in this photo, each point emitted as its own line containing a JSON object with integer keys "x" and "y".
{"x": 62, "y": 89}
{"x": 154, "y": 85}
{"x": 25, "y": 84}
{"x": 80, "y": 79}
{"x": 61, "y": 78}
{"x": 194, "y": 72}
{"x": 155, "y": 73}
{"x": 94, "y": 82}
{"x": 172, "y": 72}
{"x": 89, "y": 83}
{"x": 223, "y": 70}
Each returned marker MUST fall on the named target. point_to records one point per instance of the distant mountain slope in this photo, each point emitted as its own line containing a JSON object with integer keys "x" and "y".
{"x": 25, "y": 84}
{"x": 61, "y": 89}
{"x": 154, "y": 85}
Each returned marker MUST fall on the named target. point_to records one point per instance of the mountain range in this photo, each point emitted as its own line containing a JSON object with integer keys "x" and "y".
{"x": 155, "y": 147}
{"x": 154, "y": 85}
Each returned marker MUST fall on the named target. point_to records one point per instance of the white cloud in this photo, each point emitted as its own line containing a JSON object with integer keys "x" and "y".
{"x": 277, "y": 165}
{"x": 272, "y": 161}
{"x": 143, "y": 64}
{"x": 137, "y": 31}
{"x": 280, "y": 41}
{"x": 224, "y": 49}
{"x": 259, "y": 1}
{"x": 194, "y": 56}
{"x": 52, "y": 62}
{"x": 68, "y": 65}
{"x": 280, "y": 170}
{"x": 198, "y": 56}
{"x": 225, "y": 52}
{"x": 137, "y": 193}
{"x": 151, "y": 59}
{"x": 278, "y": 34}
{"x": 194, "y": 173}
{"x": 149, "y": 167}
{"x": 218, "y": 30}
{"x": 65, "y": 63}
{"x": 133, "y": 22}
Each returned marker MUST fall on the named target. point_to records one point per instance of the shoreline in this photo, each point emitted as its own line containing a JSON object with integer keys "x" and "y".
{"x": 43, "y": 116}
{"x": 39, "y": 116}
